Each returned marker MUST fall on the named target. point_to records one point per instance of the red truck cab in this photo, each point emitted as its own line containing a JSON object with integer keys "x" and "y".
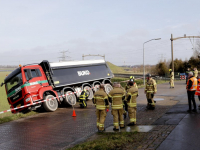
{"x": 25, "y": 86}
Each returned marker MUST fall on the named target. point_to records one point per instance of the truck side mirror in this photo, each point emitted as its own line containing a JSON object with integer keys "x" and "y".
{"x": 2, "y": 84}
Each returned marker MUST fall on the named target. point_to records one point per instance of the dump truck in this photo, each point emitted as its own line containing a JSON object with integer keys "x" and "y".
{"x": 33, "y": 83}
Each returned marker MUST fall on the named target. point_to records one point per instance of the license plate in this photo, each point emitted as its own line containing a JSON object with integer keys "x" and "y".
{"x": 18, "y": 105}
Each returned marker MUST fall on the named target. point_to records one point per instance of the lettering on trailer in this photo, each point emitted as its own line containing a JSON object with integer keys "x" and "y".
{"x": 83, "y": 73}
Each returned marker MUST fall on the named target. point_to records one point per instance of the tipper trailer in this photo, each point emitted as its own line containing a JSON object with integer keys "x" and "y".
{"x": 33, "y": 83}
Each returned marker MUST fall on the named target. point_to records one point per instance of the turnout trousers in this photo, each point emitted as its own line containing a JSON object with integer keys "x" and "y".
{"x": 101, "y": 116}
{"x": 150, "y": 101}
{"x": 171, "y": 83}
{"x": 118, "y": 119}
{"x": 132, "y": 114}
{"x": 191, "y": 99}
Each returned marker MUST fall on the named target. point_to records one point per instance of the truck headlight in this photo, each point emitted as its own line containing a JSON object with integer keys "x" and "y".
{"x": 28, "y": 99}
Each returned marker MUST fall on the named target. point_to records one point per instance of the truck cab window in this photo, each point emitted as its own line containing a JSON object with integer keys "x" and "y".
{"x": 26, "y": 74}
{"x": 38, "y": 72}
{"x": 34, "y": 73}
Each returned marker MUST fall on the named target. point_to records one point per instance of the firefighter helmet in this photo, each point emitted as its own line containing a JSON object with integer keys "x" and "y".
{"x": 148, "y": 75}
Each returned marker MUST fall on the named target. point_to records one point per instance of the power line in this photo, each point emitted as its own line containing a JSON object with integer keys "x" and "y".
{"x": 63, "y": 57}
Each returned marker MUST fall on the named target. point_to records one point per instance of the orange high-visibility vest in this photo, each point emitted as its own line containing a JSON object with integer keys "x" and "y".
{"x": 194, "y": 84}
{"x": 198, "y": 88}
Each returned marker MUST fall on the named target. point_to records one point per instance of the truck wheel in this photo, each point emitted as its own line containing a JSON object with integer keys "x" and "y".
{"x": 50, "y": 105}
{"x": 89, "y": 92}
{"x": 108, "y": 88}
{"x": 70, "y": 99}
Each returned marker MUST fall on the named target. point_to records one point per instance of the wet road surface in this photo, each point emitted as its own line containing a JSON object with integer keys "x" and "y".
{"x": 185, "y": 136}
{"x": 58, "y": 130}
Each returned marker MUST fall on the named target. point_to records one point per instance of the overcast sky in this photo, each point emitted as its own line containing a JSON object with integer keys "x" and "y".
{"x": 36, "y": 30}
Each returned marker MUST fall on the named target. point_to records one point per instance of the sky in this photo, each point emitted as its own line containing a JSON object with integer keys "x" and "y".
{"x": 36, "y": 30}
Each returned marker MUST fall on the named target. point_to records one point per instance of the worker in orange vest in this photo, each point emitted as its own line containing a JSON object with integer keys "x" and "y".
{"x": 191, "y": 89}
{"x": 198, "y": 88}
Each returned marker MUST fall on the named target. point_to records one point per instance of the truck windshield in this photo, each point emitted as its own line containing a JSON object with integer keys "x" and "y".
{"x": 14, "y": 82}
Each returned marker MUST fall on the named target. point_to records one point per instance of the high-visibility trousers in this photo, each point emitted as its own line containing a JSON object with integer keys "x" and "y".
{"x": 82, "y": 103}
{"x": 132, "y": 114}
{"x": 101, "y": 117}
{"x": 150, "y": 100}
{"x": 171, "y": 82}
{"x": 118, "y": 119}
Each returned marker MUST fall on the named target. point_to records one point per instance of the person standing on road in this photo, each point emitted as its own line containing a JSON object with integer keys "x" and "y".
{"x": 171, "y": 78}
{"x": 191, "y": 88}
{"x": 150, "y": 90}
{"x": 102, "y": 107}
{"x": 116, "y": 97}
{"x": 195, "y": 72}
{"x": 198, "y": 88}
{"x": 130, "y": 99}
{"x": 132, "y": 78}
{"x": 82, "y": 99}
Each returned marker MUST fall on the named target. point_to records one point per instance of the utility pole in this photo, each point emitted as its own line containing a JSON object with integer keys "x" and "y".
{"x": 63, "y": 57}
{"x": 172, "y": 39}
{"x": 83, "y": 56}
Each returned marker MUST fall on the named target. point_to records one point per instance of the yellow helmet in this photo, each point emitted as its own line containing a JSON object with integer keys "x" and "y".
{"x": 170, "y": 69}
{"x": 132, "y": 77}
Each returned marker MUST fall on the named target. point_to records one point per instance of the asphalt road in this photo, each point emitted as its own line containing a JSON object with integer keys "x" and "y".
{"x": 59, "y": 130}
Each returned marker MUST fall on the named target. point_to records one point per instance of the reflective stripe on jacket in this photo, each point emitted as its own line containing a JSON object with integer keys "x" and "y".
{"x": 194, "y": 84}
{"x": 151, "y": 86}
{"x": 116, "y": 95}
{"x": 101, "y": 100}
{"x": 131, "y": 96}
{"x": 198, "y": 88}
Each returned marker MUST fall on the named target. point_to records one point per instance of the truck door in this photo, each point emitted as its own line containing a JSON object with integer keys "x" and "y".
{"x": 34, "y": 81}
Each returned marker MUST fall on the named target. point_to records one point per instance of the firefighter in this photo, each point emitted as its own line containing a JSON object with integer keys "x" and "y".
{"x": 198, "y": 88}
{"x": 171, "y": 78}
{"x": 132, "y": 78}
{"x": 82, "y": 99}
{"x": 191, "y": 89}
{"x": 102, "y": 107}
{"x": 130, "y": 99}
{"x": 116, "y": 97}
{"x": 195, "y": 72}
{"x": 150, "y": 90}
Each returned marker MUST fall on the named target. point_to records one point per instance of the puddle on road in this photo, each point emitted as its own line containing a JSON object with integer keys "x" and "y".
{"x": 139, "y": 128}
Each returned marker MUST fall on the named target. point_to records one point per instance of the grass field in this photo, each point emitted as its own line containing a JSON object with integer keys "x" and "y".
{"x": 3, "y": 99}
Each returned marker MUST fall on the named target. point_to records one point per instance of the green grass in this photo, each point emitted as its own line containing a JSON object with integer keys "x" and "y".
{"x": 111, "y": 141}
{"x": 115, "y": 69}
{"x": 8, "y": 116}
{"x": 123, "y": 84}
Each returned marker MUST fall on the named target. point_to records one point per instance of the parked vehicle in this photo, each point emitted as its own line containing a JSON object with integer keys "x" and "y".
{"x": 33, "y": 83}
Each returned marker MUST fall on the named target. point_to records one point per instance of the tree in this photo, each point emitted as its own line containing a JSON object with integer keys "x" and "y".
{"x": 161, "y": 68}
{"x": 179, "y": 65}
{"x": 194, "y": 62}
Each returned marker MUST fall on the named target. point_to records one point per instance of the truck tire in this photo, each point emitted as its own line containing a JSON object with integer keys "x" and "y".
{"x": 89, "y": 92}
{"x": 70, "y": 97}
{"x": 108, "y": 88}
{"x": 50, "y": 105}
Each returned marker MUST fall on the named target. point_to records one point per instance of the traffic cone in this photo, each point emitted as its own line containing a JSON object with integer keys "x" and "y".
{"x": 74, "y": 113}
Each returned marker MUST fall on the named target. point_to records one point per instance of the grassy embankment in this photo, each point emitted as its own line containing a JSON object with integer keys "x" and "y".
{"x": 5, "y": 117}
